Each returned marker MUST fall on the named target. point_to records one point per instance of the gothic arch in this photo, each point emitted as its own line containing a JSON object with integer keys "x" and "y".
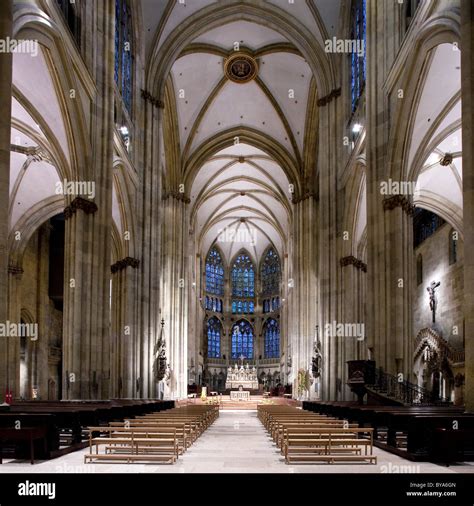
{"x": 212, "y": 16}
{"x": 437, "y": 31}
{"x": 29, "y": 223}
{"x": 29, "y": 22}
{"x": 249, "y": 136}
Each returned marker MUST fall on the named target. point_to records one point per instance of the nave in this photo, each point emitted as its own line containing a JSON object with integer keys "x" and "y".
{"x": 235, "y": 443}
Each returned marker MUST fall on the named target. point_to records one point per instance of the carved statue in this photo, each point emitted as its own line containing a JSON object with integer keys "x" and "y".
{"x": 159, "y": 352}
{"x": 432, "y": 294}
{"x": 316, "y": 361}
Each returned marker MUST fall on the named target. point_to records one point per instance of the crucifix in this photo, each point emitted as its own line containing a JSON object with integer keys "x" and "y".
{"x": 433, "y": 304}
{"x": 241, "y": 358}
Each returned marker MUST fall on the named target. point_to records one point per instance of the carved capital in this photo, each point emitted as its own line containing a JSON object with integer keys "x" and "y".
{"x": 124, "y": 263}
{"x": 326, "y": 99}
{"x": 176, "y": 195}
{"x": 304, "y": 196}
{"x": 146, "y": 95}
{"x": 352, "y": 260}
{"x": 85, "y": 205}
{"x": 16, "y": 271}
{"x": 395, "y": 201}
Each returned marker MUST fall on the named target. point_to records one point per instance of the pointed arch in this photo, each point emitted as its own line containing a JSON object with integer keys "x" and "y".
{"x": 242, "y": 343}
{"x": 214, "y": 334}
{"x": 215, "y": 270}
{"x": 271, "y": 332}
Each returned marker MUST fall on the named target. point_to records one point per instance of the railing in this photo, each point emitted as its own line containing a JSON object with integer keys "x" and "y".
{"x": 403, "y": 391}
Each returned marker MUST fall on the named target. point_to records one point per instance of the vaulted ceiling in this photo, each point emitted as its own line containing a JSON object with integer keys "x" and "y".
{"x": 436, "y": 132}
{"x": 252, "y": 194}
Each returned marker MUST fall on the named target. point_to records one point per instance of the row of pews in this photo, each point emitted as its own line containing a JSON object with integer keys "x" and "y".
{"x": 438, "y": 433}
{"x": 159, "y": 437}
{"x": 303, "y": 436}
{"x": 49, "y": 429}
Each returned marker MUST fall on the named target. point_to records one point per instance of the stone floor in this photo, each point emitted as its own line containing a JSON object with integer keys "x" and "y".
{"x": 236, "y": 443}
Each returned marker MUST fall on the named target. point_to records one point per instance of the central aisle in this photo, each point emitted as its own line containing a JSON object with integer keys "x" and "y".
{"x": 236, "y": 442}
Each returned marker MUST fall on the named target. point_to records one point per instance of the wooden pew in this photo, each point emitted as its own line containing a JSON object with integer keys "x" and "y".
{"x": 157, "y": 437}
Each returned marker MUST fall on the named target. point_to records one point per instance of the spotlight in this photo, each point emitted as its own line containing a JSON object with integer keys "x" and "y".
{"x": 356, "y": 128}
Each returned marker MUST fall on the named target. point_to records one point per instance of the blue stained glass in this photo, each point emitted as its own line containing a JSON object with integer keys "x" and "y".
{"x": 214, "y": 273}
{"x": 271, "y": 273}
{"x": 243, "y": 276}
{"x": 358, "y": 63}
{"x": 242, "y": 340}
{"x": 123, "y": 70}
{"x": 272, "y": 338}
{"x": 214, "y": 330}
{"x": 251, "y": 307}
{"x": 234, "y": 307}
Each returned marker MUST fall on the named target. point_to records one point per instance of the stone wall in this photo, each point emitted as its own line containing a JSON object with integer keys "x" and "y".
{"x": 449, "y": 316}
{"x": 43, "y": 356}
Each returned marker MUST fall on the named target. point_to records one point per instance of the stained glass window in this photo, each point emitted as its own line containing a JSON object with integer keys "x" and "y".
{"x": 242, "y": 340}
{"x": 243, "y": 285}
{"x": 214, "y": 273}
{"x": 270, "y": 272}
{"x": 272, "y": 338}
{"x": 214, "y": 329}
{"x": 243, "y": 277}
{"x": 358, "y": 58}
{"x": 123, "y": 52}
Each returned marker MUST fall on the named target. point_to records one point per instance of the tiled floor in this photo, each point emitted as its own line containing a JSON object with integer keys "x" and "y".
{"x": 236, "y": 443}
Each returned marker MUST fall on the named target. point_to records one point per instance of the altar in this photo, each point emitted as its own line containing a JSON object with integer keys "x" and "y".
{"x": 242, "y": 377}
{"x": 239, "y": 395}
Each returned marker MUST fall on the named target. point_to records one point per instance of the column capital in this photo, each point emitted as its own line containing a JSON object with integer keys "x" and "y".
{"x": 176, "y": 195}
{"x": 85, "y": 205}
{"x": 336, "y": 92}
{"x": 146, "y": 95}
{"x": 304, "y": 196}
{"x": 352, "y": 260}
{"x": 395, "y": 201}
{"x": 124, "y": 263}
{"x": 15, "y": 270}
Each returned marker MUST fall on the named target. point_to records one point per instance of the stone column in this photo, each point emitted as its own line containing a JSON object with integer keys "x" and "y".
{"x": 14, "y": 315}
{"x": 6, "y": 22}
{"x": 329, "y": 155}
{"x": 302, "y": 293}
{"x": 86, "y": 350}
{"x": 149, "y": 229}
{"x": 389, "y": 257}
{"x": 174, "y": 293}
{"x": 467, "y": 87}
{"x": 353, "y": 272}
{"x": 124, "y": 329}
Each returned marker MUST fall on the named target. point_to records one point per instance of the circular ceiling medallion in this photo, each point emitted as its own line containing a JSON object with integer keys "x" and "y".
{"x": 240, "y": 68}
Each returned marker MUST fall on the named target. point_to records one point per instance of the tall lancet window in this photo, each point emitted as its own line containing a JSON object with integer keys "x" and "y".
{"x": 123, "y": 52}
{"x": 214, "y": 331}
{"x": 242, "y": 340}
{"x": 243, "y": 285}
{"x": 358, "y": 57}
{"x": 271, "y": 331}
{"x": 214, "y": 281}
{"x": 270, "y": 273}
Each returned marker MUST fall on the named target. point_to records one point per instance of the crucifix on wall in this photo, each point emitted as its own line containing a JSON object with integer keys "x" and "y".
{"x": 433, "y": 303}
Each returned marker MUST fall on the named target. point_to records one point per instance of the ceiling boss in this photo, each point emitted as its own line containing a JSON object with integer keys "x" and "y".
{"x": 240, "y": 68}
